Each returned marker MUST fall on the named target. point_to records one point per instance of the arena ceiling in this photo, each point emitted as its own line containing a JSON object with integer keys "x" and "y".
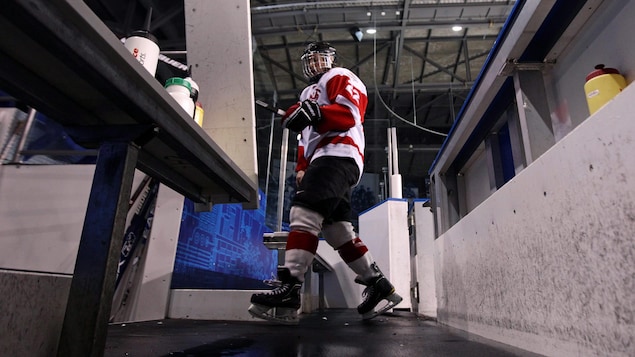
{"x": 418, "y": 69}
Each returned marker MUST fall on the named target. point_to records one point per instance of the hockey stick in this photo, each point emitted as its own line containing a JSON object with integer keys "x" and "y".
{"x": 270, "y": 108}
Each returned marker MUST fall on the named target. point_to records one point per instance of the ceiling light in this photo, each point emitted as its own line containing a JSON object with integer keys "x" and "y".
{"x": 457, "y": 28}
{"x": 371, "y": 31}
{"x": 357, "y": 33}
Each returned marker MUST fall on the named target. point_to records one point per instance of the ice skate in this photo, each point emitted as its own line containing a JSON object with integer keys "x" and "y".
{"x": 377, "y": 289}
{"x": 281, "y": 304}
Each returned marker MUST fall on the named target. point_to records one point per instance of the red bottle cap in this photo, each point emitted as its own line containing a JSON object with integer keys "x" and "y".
{"x": 600, "y": 70}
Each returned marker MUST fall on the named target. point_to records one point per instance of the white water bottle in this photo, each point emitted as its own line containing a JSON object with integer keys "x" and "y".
{"x": 180, "y": 90}
{"x": 144, "y": 47}
{"x": 194, "y": 86}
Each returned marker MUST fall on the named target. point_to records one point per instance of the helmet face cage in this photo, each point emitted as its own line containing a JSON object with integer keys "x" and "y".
{"x": 317, "y": 59}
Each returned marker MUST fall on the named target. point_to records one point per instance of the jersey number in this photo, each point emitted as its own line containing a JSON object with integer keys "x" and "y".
{"x": 315, "y": 95}
{"x": 353, "y": 91}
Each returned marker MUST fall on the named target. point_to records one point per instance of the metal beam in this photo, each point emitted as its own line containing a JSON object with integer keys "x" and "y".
{"x": 89, "y": 303}
{"x": 391, "y": 26}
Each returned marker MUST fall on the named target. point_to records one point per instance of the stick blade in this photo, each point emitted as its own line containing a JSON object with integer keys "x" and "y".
{"x": 270, "y": 108}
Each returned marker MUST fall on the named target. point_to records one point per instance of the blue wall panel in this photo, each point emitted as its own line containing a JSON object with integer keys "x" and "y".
{"x": 223, "y": 249}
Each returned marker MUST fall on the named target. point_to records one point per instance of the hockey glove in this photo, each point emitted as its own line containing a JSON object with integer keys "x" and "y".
{"x": 301, "y": 116}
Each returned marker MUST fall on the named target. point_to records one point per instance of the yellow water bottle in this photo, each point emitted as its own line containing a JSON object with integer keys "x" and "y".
{"x": 601, "y": 86}
{"x": 198, "y": 114}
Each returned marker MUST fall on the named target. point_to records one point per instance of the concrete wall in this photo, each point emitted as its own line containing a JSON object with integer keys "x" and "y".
{"x": 547, "y": 262}
{"x": 31, "y": 312}
{"x": 218, "y": 34}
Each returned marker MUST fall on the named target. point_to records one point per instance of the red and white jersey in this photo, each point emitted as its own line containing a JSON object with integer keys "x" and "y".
{"x": 343, "y": 99}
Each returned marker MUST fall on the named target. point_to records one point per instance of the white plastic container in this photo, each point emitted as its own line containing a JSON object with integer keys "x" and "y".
{"x": 180, "y": 90}
{"x": 143, "y": 46}
{"x": 194, "y": 87}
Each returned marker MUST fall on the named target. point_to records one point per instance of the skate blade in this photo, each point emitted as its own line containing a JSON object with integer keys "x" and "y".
{"x": 280, "y": 315}
{"x": 391, "y": 301}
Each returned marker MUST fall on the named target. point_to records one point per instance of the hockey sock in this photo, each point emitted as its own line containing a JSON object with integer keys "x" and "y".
{"x": 301, "y": 248}
{"x": 356, "y": 255}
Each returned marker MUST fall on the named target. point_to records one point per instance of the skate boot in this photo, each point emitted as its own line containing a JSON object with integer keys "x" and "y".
{"x": 377, "y": 289}
{"x": 281, "y": 304}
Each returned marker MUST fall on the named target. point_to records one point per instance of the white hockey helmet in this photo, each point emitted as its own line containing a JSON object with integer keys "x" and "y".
{"x": 317, "y": 59}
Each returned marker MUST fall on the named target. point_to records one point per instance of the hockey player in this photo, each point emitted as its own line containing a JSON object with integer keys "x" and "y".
{"x": 329, "y": 117}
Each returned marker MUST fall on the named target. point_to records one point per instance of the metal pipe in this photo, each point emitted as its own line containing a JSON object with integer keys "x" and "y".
{"x": 395, "y": 152}
{"x": 29, "y": 124}
{"x": 389, "y": 147}
{"x": 273, "y": 116}
{"x": 283, "y": 171}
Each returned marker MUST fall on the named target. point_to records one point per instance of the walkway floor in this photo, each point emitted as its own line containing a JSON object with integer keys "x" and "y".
{"x": 334, "y": 332}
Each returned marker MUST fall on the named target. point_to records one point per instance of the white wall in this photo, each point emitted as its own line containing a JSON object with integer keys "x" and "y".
{"x": 425, "y": 260}
{"x": 42, "y": 210}
{"x": 547, "y": 262}
{"x": 210, "y": 304}
{"x": 384, "y": 230}
{"x": 476, "y": 178}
